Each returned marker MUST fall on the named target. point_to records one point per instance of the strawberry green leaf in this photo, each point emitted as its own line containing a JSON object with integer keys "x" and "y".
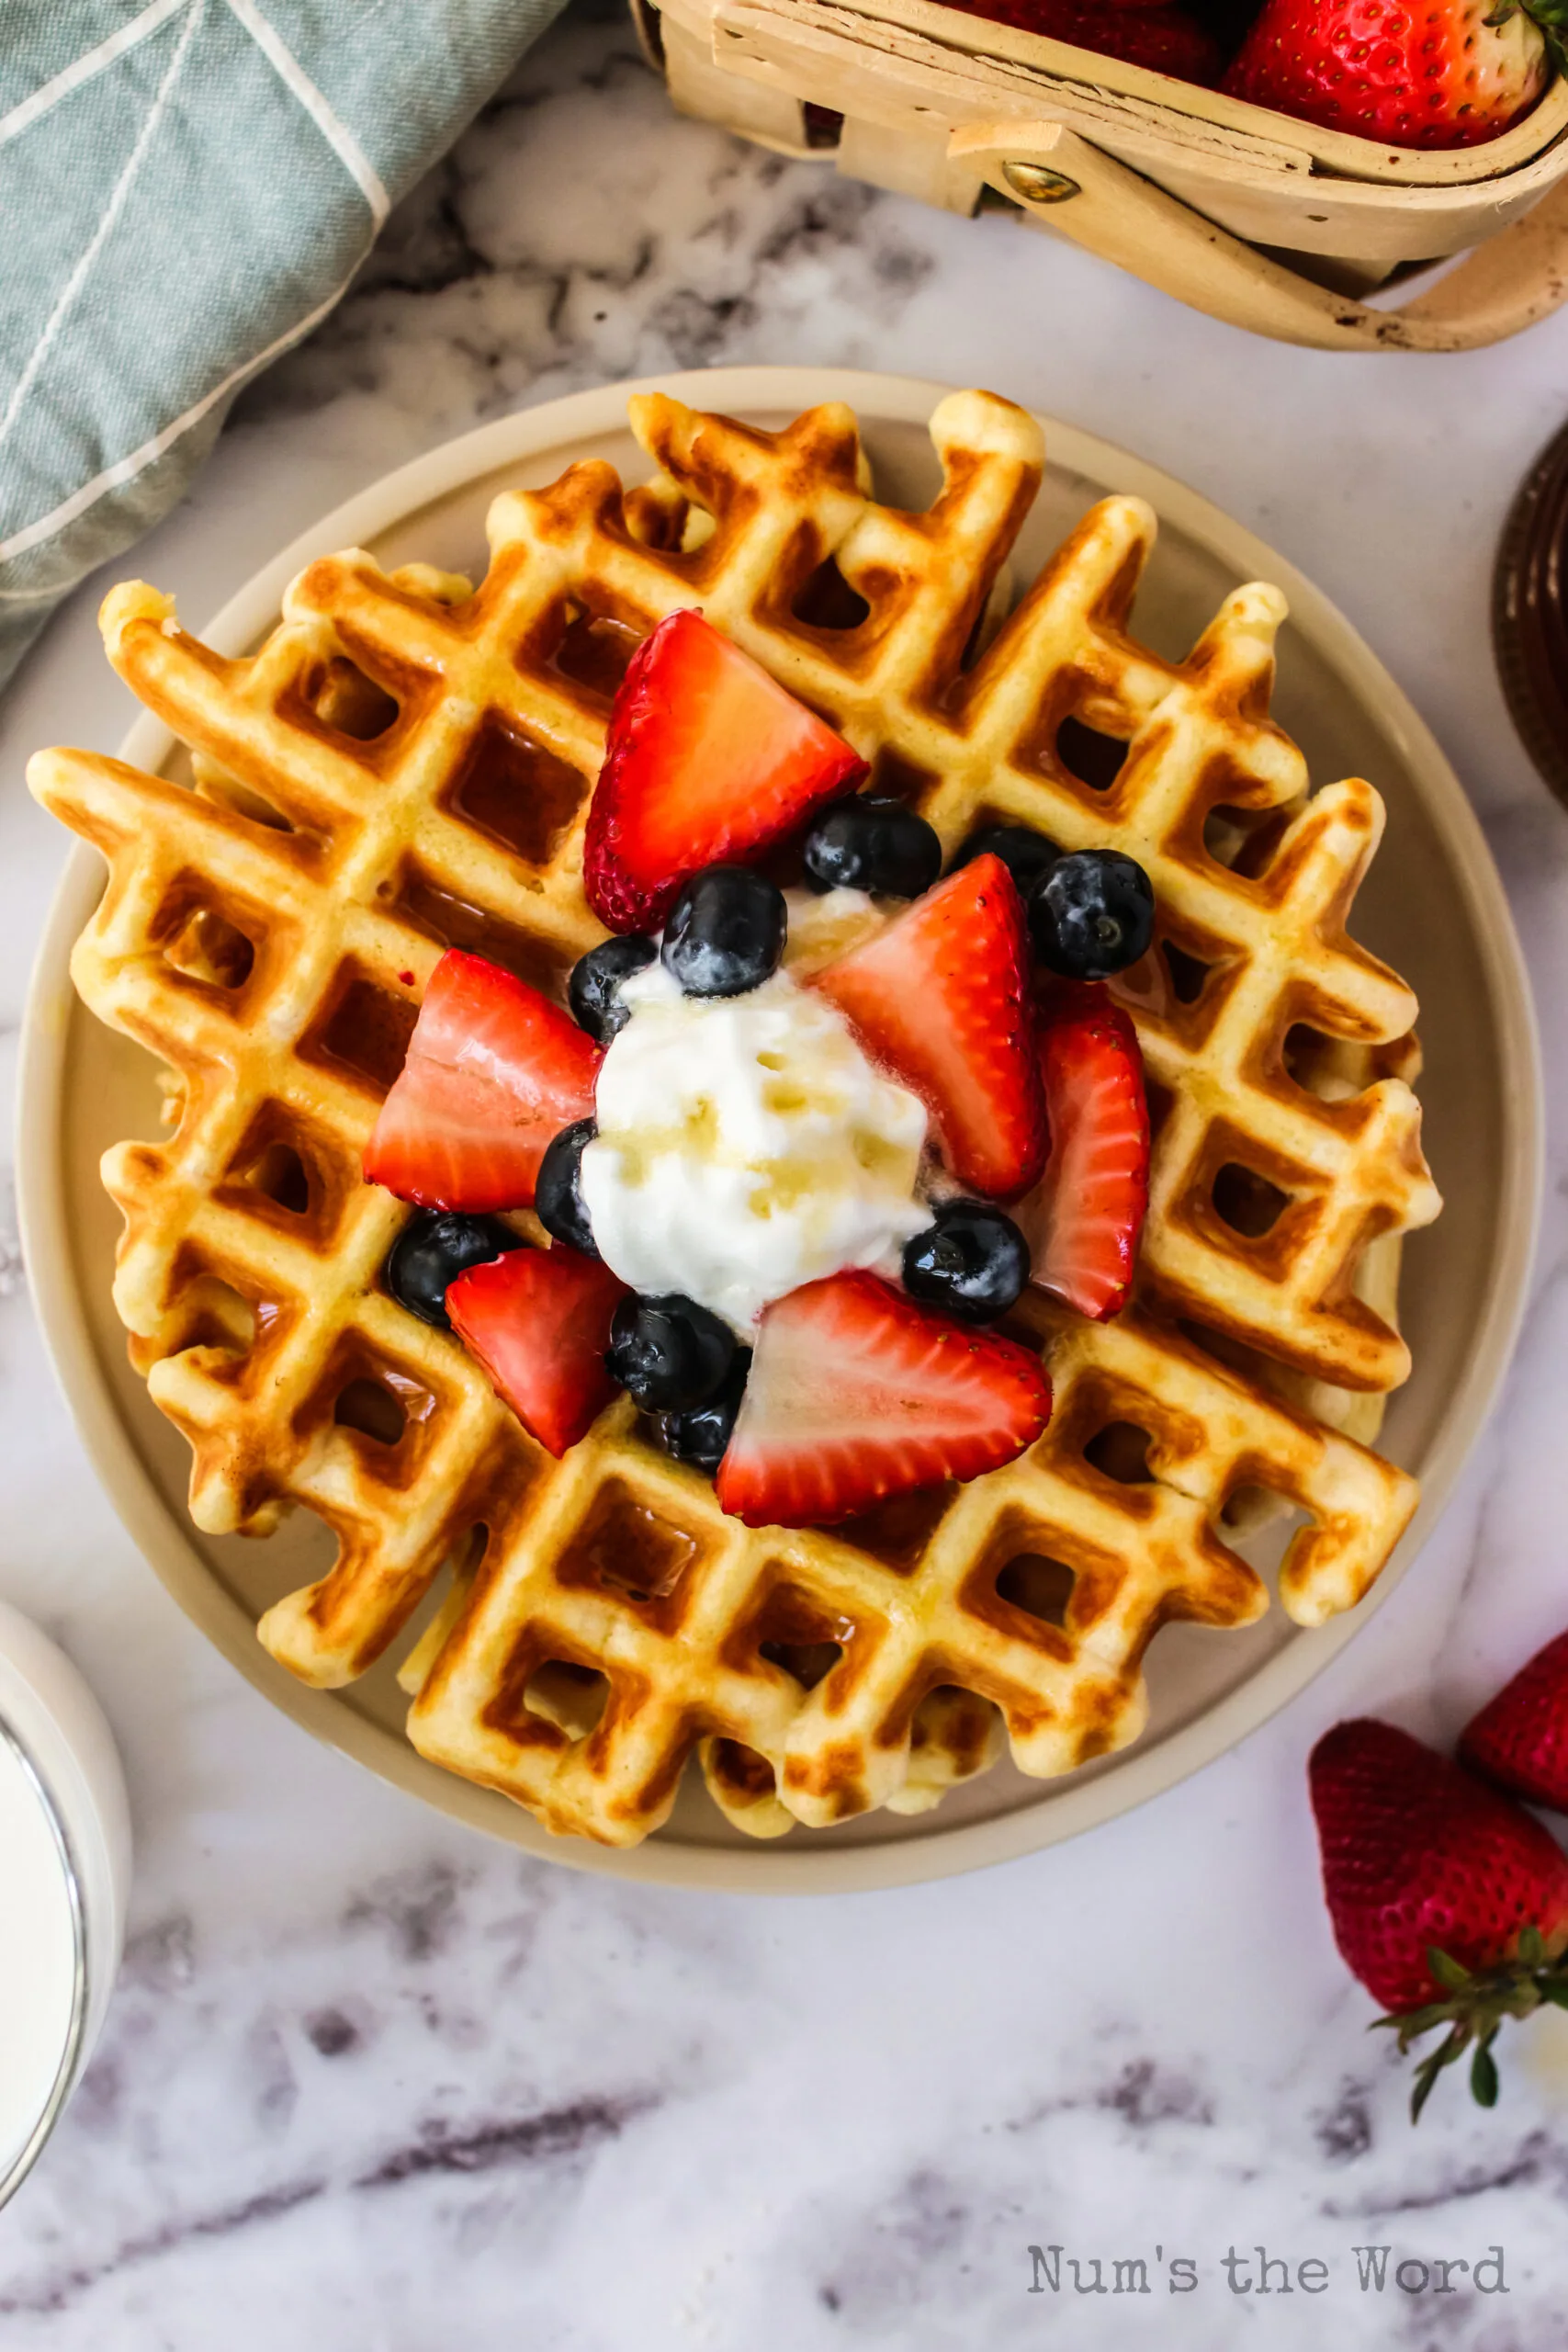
{"x": 1425, "y": 2076}
{"x": 1483, "y": 2074}
{"x": 1551, "y": 15}
{"x": 1430, "y": 2068}
{"x": 1479, "y": 2001}
{"x": 1411, "y": 2024}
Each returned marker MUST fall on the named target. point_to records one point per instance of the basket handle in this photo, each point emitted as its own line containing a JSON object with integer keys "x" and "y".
{"x": 1066, "y": 183}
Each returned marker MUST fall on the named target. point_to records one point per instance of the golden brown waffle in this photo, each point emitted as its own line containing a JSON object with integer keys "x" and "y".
{"x": 404, "y": 764}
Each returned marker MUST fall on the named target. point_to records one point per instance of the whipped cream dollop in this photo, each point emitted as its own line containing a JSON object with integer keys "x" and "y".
{"x": 746, "y": 1145}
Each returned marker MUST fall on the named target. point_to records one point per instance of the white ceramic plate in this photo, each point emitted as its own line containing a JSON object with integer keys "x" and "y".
{"x": 1432, "y": 906}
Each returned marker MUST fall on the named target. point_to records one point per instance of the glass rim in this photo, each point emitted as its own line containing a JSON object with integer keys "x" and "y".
{"x": 12, "y": 2177}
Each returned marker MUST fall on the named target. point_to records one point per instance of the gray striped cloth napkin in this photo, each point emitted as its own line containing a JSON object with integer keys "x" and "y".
{"x": 186, "y": 188}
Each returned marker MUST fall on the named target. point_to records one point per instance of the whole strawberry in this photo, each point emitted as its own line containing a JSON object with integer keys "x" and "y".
{"x": 1449, "y": 1902}
{"x": 1520, "y": 1739}
{"x": 1162, "y": 38}
{"x": 1441, "y": 74}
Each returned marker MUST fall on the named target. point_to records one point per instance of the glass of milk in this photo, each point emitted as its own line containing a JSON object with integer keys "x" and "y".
{"x": 65, "y": 1871}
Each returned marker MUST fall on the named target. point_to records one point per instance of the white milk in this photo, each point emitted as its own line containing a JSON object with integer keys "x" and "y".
{"x": 37, "y": 1957}
{"x": 65, "y": 1880}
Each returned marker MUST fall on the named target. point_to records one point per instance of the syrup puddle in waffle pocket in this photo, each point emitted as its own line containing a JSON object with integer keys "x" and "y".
{"x": 840, "y": 1496}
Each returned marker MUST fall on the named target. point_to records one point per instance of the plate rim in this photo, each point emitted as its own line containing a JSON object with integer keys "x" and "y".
{"x": 911, "y": 1856}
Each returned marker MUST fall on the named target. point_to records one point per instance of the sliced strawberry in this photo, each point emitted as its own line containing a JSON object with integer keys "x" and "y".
{"x": 538, "y": 1320}
{"x": 494, "y": 1070}
{"x": 1083, "y": 1221}
{"x": 855, "y": 1393}
{"x": 708, "y": 761}
{"x": 941, "y": 997}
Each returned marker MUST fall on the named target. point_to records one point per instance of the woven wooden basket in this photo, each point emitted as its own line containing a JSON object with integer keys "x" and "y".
{"x": 1268, "y": 223}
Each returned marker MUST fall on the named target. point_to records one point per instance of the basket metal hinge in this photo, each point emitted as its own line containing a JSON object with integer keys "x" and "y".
{"x": 1037, "y": 184}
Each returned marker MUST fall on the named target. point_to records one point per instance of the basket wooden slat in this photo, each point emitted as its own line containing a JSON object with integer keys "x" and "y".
{"x": 1179, "y": 186}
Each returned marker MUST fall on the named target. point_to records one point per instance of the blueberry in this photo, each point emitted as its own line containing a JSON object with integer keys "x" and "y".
{"x": 972, "y": 1261}
{"x": 876, "y": 845}
{"x": 432, "y": 1249}
{"x": 1028, "y": 855}
{"x": 725, "y": 932}
{"x": 669, "y": 1352}
{"x": 700, "y": 1435}
{"x": 594, "y": 991}
{"x": 1093, "y": 914}
{"x": 557, "y": 1195}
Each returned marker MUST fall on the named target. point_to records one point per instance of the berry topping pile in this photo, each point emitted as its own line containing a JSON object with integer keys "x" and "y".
{"x": 978, "y": 998}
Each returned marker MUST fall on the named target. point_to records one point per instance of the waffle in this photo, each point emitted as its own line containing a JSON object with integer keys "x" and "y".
{"x": 402, "y": 765}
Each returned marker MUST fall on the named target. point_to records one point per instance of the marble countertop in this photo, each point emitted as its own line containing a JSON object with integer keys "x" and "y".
{"x": 372, "y": 2084}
